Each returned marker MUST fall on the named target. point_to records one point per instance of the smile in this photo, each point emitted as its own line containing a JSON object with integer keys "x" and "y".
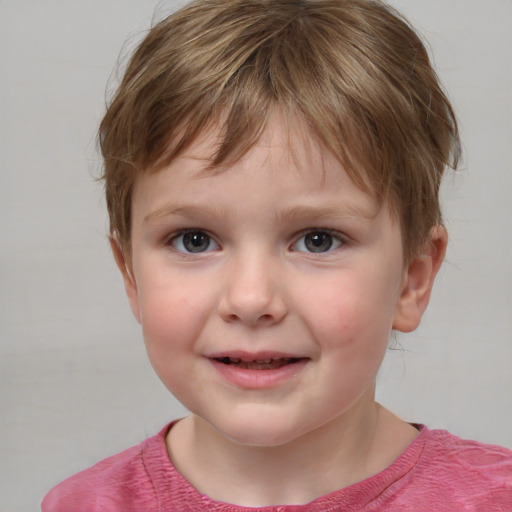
{"x": 258, "y": 364}
{"x": 258, "y": 371}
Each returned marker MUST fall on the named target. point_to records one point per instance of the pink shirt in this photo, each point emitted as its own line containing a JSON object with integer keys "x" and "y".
{"x": 437, "y": 472}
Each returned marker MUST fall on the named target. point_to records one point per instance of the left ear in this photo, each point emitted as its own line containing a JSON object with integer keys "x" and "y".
{"x": 418, "y": 280}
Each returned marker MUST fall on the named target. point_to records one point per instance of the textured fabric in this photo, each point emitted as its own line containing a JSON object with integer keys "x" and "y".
{"x": 437, "y": 472}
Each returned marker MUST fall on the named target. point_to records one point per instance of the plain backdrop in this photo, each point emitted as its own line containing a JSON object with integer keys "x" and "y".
{"x": 75, "y": 385}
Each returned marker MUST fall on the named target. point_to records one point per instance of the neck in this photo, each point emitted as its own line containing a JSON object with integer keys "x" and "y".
{"x": 339, "y": 454}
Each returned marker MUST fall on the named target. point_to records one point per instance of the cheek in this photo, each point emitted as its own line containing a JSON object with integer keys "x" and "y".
{"x": 171, "y": 326}
{"x": 165, "y": 313}
{"x": 173, "y": 314}
{"x": 350, "y": 311}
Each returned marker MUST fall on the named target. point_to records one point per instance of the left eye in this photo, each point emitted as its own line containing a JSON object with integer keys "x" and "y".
{"x": 317, "y": 242}
{"x": 193, "y": 242}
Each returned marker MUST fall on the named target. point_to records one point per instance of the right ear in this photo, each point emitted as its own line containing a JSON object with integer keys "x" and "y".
{"x": 125, "y": 266}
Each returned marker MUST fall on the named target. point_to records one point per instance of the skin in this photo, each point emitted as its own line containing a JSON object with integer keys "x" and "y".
{"x": 256, "y": 288}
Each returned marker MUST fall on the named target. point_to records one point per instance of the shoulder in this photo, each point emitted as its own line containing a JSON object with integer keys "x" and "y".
{"x": 469, "y": 471}
{"x": 122, "y": 482}
{"x": 487, "y": 460}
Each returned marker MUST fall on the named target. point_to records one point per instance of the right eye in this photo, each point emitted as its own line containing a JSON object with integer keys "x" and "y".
{"x": 193, "y": 242}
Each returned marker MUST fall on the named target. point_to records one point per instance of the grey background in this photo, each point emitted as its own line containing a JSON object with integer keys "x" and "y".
{"x": 75, "y": 385}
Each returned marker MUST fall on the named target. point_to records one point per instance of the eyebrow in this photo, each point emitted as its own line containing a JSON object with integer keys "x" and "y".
{"x": 189, "y": 210}
{"x": 293, "y": 214}
{"x": 347, "y": 211}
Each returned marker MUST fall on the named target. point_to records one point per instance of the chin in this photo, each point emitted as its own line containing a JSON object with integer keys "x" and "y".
{"x": 263, "y": 432}
{"x": 259, "y": 439}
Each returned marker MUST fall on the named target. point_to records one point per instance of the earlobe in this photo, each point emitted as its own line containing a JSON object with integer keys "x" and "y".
{"x": 418, "y": 281}
{"x": 124, "y": 264}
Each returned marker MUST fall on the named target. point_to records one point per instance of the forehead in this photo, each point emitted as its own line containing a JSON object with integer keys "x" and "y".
{"x": 287, "y": 169}
{"x": 285, "y": 141}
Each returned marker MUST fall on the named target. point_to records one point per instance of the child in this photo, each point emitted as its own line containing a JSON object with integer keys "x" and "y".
{"x": 272, "y": 170}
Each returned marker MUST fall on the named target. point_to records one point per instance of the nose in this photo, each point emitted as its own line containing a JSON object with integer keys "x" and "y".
{"x": 253, "y": 292}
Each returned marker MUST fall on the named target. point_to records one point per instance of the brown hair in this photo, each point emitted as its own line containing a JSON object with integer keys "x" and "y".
{"x": 354, "y": 70}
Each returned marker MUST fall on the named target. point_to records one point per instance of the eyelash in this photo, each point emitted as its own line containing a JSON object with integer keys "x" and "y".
{"x": 335, "y": 239}
{"x": 178, "y": 238}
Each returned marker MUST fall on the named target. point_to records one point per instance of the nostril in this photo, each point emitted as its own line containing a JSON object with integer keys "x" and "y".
{"x": 251, "y": 308}
{"x": 261, "y": 319}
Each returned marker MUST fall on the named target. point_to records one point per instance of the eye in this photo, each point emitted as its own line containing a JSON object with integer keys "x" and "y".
{"x": 193, "y": 242}
{"x": 317, "y": 241}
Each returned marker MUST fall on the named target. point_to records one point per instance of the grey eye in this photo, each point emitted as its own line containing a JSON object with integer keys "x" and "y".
{"x": 193, "y": 242}
{"x": 317, "y": 242}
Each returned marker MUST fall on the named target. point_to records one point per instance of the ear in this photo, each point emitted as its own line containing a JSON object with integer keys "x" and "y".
{"x": 125, "y": 266}
{"x": 418, "y": 280}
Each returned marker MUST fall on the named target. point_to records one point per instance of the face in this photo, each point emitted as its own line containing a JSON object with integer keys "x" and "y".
{"x": 266, "y": 292}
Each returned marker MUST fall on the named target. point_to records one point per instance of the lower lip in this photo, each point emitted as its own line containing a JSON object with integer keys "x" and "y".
{"x": 258, "y": 379}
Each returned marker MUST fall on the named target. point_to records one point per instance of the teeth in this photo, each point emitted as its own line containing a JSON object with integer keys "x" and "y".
{"x": 258, "y": 364}
{"x": 268, "y": 363}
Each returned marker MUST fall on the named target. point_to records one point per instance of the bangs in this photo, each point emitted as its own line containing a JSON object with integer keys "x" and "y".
{"x": 354, "y": 72}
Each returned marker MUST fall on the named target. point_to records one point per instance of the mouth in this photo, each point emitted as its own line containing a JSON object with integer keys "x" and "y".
{"x": 258, "y": 370}
{"x": 259, "y": 364}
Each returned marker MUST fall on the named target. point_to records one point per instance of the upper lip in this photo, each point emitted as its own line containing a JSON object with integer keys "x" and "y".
{"x": 253, "y": 356}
